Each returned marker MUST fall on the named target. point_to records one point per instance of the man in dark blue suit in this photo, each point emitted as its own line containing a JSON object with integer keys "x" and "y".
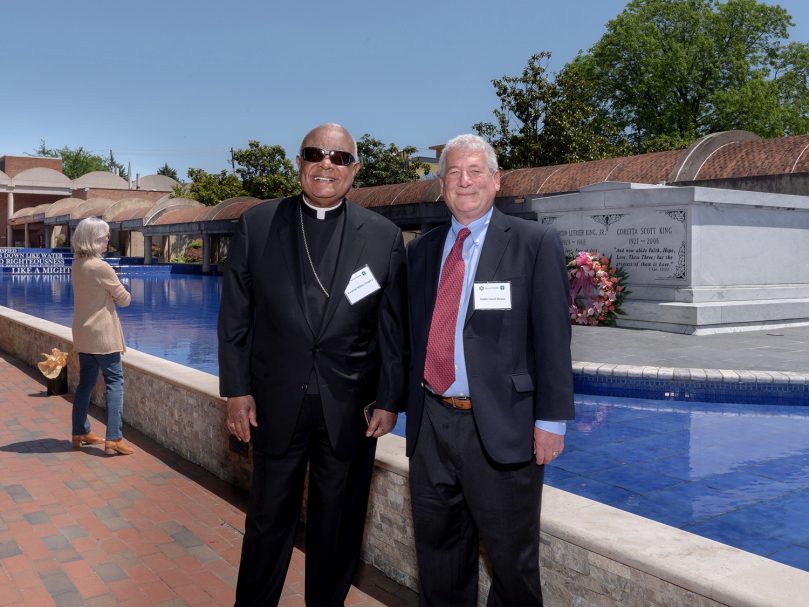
{"x": 490, "y": 385}
{"x": 312, "y": 329}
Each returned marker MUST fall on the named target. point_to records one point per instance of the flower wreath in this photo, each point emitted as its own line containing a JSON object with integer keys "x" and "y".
{"x": 597, "y": 288}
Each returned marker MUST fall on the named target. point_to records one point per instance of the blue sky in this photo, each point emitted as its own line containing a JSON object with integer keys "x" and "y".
{"x": 183, "y": 82}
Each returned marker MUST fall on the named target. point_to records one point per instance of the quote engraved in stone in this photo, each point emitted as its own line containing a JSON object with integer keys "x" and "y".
{"x": 650, "y": 244}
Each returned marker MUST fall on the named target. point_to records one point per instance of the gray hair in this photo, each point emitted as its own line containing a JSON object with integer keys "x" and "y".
{"x": 332, "y": 125}
{"x": 469, "y": 143}
{"x": 85, "y": 238}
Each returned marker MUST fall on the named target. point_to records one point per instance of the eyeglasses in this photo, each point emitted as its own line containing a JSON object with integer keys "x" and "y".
{"x": 337, "y": 157}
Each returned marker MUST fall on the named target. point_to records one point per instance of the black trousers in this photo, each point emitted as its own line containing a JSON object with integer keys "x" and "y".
{"x": 460, "y": 497}
{"x": 335, "y": 516}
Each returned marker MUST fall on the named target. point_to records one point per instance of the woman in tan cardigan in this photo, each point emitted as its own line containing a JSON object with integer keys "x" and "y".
{"x": 97, "y": 334}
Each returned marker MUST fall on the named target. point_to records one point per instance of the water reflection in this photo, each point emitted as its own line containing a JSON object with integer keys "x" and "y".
{"x": 738, "y": 474}
{"x": 173, "y": 318}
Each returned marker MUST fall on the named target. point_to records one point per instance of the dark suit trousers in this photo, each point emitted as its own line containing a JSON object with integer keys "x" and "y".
{"x": 336, "y": 507}
{"x": 460, "y": 497}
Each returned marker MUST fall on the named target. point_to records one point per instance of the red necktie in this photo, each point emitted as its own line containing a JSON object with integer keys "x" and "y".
{"x": 439, "y": 367}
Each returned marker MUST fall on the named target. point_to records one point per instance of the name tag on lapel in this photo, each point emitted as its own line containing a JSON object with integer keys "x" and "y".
{"x": 361, "y": 284}
{"x": 492, "y": 295}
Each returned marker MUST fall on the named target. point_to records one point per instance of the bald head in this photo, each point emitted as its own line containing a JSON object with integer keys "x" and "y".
{"x": 325, "y": 179}
{"x": 331, "y": 128}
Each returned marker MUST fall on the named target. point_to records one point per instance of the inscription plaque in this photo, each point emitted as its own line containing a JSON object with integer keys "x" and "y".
{"x": 650, "y": 244}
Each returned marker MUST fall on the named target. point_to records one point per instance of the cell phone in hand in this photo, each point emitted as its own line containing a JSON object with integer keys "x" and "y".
{"x": 368, "y": 411}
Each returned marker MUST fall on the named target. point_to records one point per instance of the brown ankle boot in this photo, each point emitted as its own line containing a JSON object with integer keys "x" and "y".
{"x": 117, "y": 447}
{"x": 82, "y": 440}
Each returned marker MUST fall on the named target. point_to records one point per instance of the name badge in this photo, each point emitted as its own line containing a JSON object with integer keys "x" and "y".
{"x": 361, "y": 284}
{"x": 492, "y": 295}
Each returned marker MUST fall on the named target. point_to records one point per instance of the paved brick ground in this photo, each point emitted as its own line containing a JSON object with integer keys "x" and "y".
{"x": 150, "y": 529}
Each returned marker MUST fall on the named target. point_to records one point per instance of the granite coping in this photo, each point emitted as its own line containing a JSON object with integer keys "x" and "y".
{"x": 714, "y": 570}
{"x": 729, "y": 376}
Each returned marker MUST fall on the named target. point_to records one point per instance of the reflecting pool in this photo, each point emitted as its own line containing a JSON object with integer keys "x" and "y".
{"x": 738, "y": 474}
{"x": 171, "y": 316}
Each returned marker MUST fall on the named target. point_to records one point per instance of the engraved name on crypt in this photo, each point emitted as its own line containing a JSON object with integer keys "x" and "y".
{"x": 650, "y": 244}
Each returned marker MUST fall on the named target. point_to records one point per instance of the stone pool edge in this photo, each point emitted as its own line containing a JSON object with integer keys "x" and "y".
{"x": 591, "y": 553}
{"x": 692, "y": 384}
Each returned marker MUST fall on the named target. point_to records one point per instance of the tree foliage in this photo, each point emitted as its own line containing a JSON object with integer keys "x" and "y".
{"x": 75, "y": 161}
{"x": 386, "y": 164}
{"x": 265, "y": 171}
{"x": 78, "y": 161}
{"x": 670, "y": 71}
{"x": 664, "y": 74}
{"x": 544, "y": 121}
{"x": 262, "y": 171}
{"x": 113, "y": 166}
{"x": 210, "y": 188}
{"x": 168, "y": 171}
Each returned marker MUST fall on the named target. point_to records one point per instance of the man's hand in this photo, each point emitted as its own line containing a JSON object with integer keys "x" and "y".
{"x": 381, "y": 423}
{"x": 547, "y": 446}
{"x": 241, "y": 415}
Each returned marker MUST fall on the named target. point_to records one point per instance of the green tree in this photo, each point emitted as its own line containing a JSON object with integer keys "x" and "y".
{"x": 78, "y": 161}
{"x": 383, "y": 165}
{"x": 168, "y": 171}
{"x": 670, "y": 71}
{"x": 574, "y": 130}
{"x": 210, "y": 188}
{"x": 265, "y": 171}
{"x": 113, "y": 166}
{"x": 75, "y": 161}
{"x": 543, "y": 121}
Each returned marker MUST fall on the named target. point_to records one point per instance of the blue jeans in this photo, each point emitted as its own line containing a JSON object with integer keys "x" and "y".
{"x": 112, "y": 368}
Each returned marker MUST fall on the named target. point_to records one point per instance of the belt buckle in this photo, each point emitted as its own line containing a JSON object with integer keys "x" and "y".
{"x": 448, "y": 401}
{"x": 459, "y": 404}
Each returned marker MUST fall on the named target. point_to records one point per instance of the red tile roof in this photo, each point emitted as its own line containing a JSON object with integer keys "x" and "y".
{"x": 183, "y": 215}
{"x": 741, "y": 156}
{"x": 757, "y": 157}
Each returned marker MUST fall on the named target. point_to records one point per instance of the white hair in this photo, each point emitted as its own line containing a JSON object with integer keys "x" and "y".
{"x": 84, "y": 240}
{"x": 470, "y": 143}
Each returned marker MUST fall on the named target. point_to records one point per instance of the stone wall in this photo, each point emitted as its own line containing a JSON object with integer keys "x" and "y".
{"x": 592, "y": 555}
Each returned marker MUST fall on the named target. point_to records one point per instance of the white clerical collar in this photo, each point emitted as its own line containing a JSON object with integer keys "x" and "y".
{"x": 320, "y": 212}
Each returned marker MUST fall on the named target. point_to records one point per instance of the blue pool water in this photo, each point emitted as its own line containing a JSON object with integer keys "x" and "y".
{"x": 173, "y": 318}
{"x": 738, "y": 474}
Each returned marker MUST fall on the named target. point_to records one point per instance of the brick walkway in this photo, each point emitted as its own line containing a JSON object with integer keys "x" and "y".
{"x": 150, "y": 529}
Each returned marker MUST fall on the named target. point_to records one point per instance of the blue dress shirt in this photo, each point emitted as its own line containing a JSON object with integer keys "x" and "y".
{"x": 472, "y": 247}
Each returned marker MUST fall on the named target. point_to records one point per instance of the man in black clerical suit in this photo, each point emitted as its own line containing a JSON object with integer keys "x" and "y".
{"x": 490, "y": 386}
{"x": 312, "y": 329}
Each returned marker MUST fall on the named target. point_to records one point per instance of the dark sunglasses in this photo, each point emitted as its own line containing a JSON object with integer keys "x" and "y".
{"x": 337, "y": 157}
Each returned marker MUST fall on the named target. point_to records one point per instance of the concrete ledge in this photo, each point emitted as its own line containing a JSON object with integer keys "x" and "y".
{"x": 672, "y": 563}
{"x": 728, "y": 376}
{"x": 591, "y": 554}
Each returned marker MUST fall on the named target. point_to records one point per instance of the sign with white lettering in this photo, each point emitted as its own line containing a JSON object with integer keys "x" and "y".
{"x": 16, "y": 260}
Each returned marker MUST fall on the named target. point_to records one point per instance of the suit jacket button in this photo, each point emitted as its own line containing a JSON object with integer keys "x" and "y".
{"x": 304, "y": 387}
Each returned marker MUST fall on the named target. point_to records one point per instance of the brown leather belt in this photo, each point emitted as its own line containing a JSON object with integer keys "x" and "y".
{"x": 462, "y": 403}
